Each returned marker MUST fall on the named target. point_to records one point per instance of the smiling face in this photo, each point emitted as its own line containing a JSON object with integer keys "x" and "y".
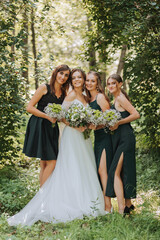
{"x": 113, "y": 85}
{"x": 77, "y": 80}
{"x": 62, "y": 76}
{"x": 91, "y": 82}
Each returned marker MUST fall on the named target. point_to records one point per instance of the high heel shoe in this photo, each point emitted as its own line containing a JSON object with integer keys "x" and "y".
{"x": 126, "y": 211}
{"x": 132, "y": 207}
{"x": 111, "y": 211}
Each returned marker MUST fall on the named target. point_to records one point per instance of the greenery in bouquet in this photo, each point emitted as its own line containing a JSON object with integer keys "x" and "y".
{"x": 96, "y": 117}
{"x": 54, "y": 110}
{"x": 107, "y": 118}
{"x": 111, "y": 117}
{"x": 77, "y": 116}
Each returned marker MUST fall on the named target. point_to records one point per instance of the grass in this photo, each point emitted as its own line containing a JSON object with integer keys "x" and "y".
{"x": 111, "y": 227}
{"x": 18, "y": 185}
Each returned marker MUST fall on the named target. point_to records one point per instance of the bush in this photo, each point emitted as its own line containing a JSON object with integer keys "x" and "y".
{"x": 18, "y": 186}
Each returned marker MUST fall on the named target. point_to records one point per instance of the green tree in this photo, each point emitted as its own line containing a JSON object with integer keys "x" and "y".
{"x": 135, "y": 24}
{"x": 11, "y": 85}
{"x": 57, "y": 27}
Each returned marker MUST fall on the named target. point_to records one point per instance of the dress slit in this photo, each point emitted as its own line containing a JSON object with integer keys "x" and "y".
{"x": 127, "y": 180}
{"x": 121, "y": 172}
{"x": 111, "y": 175}
{"x": 123, "y": 141}
{"x": 103, "y": 151}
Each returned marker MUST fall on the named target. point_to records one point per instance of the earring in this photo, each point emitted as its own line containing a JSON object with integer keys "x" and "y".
{"x": 97, "y": 88}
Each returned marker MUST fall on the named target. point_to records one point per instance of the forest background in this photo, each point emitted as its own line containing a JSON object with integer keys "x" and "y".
{"x": 108, "y": 36}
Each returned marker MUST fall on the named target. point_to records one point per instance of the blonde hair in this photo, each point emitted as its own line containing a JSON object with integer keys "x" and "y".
{"x": 99, "y": 85}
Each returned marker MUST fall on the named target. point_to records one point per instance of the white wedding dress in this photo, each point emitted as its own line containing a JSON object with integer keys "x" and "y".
{"x": 72, "y": 191}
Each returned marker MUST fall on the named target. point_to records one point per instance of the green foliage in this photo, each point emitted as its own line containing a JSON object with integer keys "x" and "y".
{"x": 140, "y": 226}
{"x": 137, "y": 25}
{"x": 58, "y": 33}
{"x": 59, "y": 29}
{"x": 18, "y": 186}
{"x": 11, "y": 90}
{"x": 143, "y": 71}
{"x": 148, "y": 164}
{"x": 11, "y": 108}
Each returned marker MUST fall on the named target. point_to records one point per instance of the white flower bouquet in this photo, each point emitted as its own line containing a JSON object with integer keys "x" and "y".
{"x": 54, "y": 110}
{"x": 77, "y": 116}
{"x": 111, "y": 117}
{"x": 107, "y": 118}
{"x": 96, "y": 117}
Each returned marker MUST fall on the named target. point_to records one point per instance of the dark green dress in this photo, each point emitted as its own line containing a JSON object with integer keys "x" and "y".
{"x": 123, "y": 141}
{"x": 102, "y": 140}
{"x": 41, "y": 139}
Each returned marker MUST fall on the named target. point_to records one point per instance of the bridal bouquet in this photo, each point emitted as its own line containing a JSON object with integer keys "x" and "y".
{"x": 77, "y": 116}
{"x": 54, "y": 110}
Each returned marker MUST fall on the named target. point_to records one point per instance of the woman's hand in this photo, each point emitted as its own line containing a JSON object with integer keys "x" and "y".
{"x": 114, "y": 127}
{"x": 92, "y": 126}
{"x": 80, "y": 129}
{"x": 52, "y": 120}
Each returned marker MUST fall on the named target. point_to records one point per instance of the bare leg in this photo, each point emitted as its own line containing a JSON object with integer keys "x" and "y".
{"x": 50, "y": 165}
{"x": 128, "y": 202}
{"x": 103, "y": 176}
{"x": 42, "y": 165}
{"x": 118, "y": 185}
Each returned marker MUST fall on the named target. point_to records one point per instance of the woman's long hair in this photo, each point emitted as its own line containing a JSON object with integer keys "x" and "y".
{"x": 78, "y": 70}
{"x": 65, "y": 86}
{"x": 84, "y": 77}
{"x": 119, "y": 80}
{"x": 99, "y": 85}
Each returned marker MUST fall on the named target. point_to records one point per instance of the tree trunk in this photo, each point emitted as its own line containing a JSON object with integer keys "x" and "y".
{"x": 34, "y": 49}
{"x": 121, "y": 63}
{"x": 103, "y": 79}
{"x": 92, "y": 54}
{"x": 121, "y": 60}
{"x": 25, "y": 50}
{"x": 12, "y": 47}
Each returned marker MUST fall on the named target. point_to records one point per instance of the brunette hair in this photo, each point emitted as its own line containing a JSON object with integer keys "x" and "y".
{"x": 65, "y": 86}
{"x": 99, "y": 85}
{"x": 119, "y": 80}
{"x": 78, "y": 70}
{"x": 84, "y": 77}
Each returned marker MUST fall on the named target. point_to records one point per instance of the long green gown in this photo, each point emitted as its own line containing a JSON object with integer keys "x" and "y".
{"x": 102, "y": 141}
{"x": 123, "y": 141}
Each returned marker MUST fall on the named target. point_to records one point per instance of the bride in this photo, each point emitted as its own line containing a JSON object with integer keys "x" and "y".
{"x": 73, "y": 190}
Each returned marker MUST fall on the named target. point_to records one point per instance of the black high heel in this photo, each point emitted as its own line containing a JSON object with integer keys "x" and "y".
{"x": 132, "y": 207}
{"x": 126, "y": 211}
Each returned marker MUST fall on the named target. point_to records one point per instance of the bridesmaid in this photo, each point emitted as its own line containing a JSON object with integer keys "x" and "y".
{"x": 122, "y": 173}
{"x": 102, "y": 143}
{"x": 41, "y": 139}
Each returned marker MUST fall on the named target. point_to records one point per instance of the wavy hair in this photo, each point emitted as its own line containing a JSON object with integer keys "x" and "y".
{"x": 119, "y": 80}
{"x": 65, "y": 86}
{"x": 99, "y": 85}
{"x": 78, "y": 70}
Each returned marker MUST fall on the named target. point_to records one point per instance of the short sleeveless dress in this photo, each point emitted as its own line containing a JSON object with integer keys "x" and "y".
{"x": 123, "y": 141}
{"x": 41, "y": 139}
{"x": 102, "y": 141}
